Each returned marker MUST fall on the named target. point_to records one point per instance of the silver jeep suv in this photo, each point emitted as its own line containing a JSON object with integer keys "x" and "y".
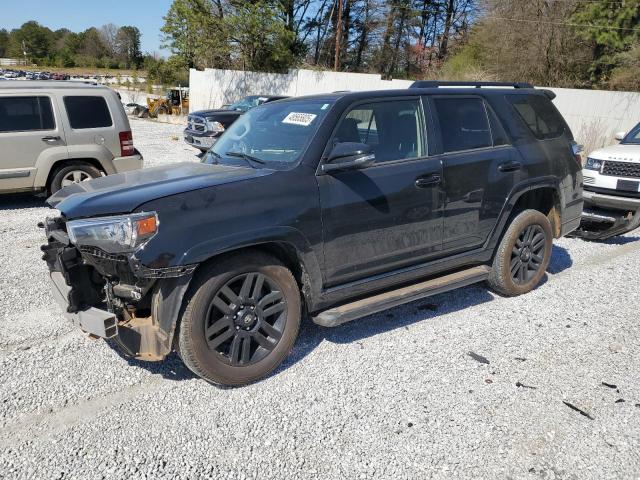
{"x": 53, "y": 134}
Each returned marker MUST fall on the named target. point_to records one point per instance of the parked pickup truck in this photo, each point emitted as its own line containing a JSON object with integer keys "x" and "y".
{"x": 612, "y": 189}
{"x": 204, "y": 127}
{"x": 334, "y": 206}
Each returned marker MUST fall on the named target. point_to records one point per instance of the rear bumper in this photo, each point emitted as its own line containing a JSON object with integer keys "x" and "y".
{"x": 126, "y": 164}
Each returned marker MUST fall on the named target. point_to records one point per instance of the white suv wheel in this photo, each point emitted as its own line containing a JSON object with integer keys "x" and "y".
{"x": 75, "y": 176}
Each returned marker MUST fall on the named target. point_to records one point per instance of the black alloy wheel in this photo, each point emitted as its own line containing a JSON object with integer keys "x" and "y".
{"x": 246, "y": 319}
{"x": 527, "y": 255}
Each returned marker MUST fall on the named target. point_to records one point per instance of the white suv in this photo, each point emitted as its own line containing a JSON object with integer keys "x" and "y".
{"x": 53, "y": 134}
{"x": 612, "y": 188}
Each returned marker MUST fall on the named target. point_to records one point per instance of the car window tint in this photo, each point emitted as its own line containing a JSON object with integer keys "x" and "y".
{"x": 463, "y": 123}
{"x": 87, "y": 112}
{"x": 497, "y": 131}
{"x": 20, "y": 114}
{"x": 539, "y": 114}
{"x": 393, "y": 129}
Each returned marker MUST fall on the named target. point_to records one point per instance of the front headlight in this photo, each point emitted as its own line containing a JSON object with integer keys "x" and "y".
{"x": 117, "y": 234}
{"x": 215, "y": 127}
{"x": 593, "y": 164}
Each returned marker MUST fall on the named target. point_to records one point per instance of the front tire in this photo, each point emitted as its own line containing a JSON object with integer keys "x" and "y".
{"x": 523, "y": 254}
{"x": 241, "y": 321}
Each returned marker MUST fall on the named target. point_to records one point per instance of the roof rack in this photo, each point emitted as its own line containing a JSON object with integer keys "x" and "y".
{"x": 436, "y": 84}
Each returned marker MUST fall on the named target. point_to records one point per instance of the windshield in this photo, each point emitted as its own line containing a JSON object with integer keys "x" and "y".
{"x": 247, "y": 103}
{"x": 275, "y": 134}
{"x": 633, "y": 136}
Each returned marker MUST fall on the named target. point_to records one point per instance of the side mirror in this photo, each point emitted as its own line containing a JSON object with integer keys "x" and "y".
{"x": 348, "y": 156}
{"x": 620, "y": 136}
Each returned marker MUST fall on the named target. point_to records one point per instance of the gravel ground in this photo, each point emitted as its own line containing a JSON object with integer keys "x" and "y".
{"x": 395, "y": 395}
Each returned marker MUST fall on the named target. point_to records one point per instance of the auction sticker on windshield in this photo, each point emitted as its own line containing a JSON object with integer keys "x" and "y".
{"x": 299, "y": 118}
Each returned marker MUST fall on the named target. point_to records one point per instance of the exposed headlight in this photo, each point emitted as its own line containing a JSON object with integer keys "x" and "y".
{"x": 117, "y": 234}
{"x": 215, "y": 127}
{"x": 593, "y": 164}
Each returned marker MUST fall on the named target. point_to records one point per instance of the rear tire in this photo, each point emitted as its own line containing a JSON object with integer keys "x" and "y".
{"x": 523, "y": 255}
{"x": 241, "y": 321}
{"x": 69, "y": 173}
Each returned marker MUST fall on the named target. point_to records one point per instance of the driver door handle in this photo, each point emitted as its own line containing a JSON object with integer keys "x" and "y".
{"x": 427, "y": 181}
{"x": 53, "y": 138}
{"x": 509, "y": 166}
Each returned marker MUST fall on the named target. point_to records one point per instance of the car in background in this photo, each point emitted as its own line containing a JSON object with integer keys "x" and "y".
{"x": 612, "y": 188}
{"x": 54, "y": 134}
{"x": 204, "y": 127}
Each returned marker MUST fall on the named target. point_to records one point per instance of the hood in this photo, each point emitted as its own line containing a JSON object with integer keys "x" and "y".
{"x": 124, "y": 192}
{"x": 210, "y": 113}
{"x": 621, "y": 153}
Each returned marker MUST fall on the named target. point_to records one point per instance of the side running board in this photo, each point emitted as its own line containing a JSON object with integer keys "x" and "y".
{"x": 367, "y": 306}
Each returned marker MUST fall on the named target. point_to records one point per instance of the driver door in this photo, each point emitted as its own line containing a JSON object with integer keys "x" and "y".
{"x": 387, "y": 215}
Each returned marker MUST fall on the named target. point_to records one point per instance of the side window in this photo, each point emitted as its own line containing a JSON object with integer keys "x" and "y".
{"x": 539, "y": 114}
{"x": 497, "y": 131}
{"x": 23, "y": 114}
{"x": 463, "y": 123}
{"x": 393, "y": 129}
{"x": 87, "y": 112}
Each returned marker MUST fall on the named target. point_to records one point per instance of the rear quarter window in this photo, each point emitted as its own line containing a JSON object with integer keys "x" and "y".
{"x": 539, "y": 114}
{"x": 87, "y": 112}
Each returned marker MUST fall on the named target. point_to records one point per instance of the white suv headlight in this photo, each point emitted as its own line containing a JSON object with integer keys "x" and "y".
{"x": 593, "y": 164}
{"x": 117, "y": 234}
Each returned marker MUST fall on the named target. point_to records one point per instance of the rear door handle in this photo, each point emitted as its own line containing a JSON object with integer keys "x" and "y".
{"x": 509, "y": 166}
{"x": 53, "y": 138}
{"x": 427, "y": 181}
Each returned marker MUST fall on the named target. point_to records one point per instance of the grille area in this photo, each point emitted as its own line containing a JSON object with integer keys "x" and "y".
{"x": 196, "y": 124}
{"x": 621, "y": 169}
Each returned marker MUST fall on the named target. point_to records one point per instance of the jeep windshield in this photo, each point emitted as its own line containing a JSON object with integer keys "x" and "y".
{"x": 273, "y": 135}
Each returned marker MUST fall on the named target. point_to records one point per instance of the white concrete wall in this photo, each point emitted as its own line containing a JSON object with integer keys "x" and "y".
{"x": 593, "y": 115}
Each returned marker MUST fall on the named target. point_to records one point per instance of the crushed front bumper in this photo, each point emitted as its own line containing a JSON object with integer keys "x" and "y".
{"x": 605, "y": 216}
{"x": 143, "y": 326}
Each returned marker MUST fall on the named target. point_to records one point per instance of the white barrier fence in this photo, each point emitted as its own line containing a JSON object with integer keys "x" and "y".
{"x": 593, "y": 115}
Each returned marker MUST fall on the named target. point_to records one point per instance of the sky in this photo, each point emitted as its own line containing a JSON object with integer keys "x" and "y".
{"x": 78, "y": 15}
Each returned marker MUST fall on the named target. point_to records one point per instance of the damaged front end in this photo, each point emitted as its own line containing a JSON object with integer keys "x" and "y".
{"x": 108, "y": 293}
{"x": 601, "y": 224}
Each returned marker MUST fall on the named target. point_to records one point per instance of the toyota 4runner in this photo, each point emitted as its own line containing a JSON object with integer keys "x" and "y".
{"x": 333, "y": 206}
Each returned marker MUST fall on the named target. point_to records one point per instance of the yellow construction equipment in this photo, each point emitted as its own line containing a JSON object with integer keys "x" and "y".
{"x": 175, "y": 102}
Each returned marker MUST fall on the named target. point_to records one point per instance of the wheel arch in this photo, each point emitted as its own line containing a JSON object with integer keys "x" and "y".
{"x": 58, "y": 164}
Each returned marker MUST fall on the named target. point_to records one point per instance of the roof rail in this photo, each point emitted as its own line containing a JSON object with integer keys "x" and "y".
{"x": 436, "y": 84}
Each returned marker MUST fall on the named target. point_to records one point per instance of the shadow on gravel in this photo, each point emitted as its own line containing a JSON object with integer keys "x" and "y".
{"x": 620, "y": 240}
{"x": 21, "y": 200}
{"x": 311, "y": 335}
{"x": 560, "y": 260}
{"x": 171, "y": 368}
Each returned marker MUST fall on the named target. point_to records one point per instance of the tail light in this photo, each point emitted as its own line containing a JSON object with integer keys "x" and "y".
{"x": 126, "y": 144}
{"x": 577, "y": 151}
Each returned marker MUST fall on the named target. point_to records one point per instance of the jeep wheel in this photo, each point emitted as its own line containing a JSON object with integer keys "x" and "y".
{"x": 72, "y": 173}
{"x": 523, "y": 254}
{"x": 242, "y": 319}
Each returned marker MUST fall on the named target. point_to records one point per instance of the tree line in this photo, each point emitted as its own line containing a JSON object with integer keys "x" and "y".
{"x": 570, "y": 43}
{"x": 108, "y": 46}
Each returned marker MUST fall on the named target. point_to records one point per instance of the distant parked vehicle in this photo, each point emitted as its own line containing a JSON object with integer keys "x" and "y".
{"x": 612, "y": 189}
{"x": 55, "y": 134}
{"x": 133, "y": 108}
{"x": 205, "y": 126}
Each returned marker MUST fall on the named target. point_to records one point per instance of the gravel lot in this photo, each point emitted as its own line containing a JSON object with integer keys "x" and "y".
{"x": 394, "y": 396}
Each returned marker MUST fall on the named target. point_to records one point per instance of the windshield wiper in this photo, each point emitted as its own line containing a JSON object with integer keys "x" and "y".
{"x": 248, "y": 158}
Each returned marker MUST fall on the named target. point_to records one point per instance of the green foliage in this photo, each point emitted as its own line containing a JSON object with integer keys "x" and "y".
{"x": 615, "y": 28}
{"x": 246, "y": 35}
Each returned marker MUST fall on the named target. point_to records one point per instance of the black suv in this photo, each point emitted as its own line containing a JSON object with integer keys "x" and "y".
{"x": 333, "y": 206}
